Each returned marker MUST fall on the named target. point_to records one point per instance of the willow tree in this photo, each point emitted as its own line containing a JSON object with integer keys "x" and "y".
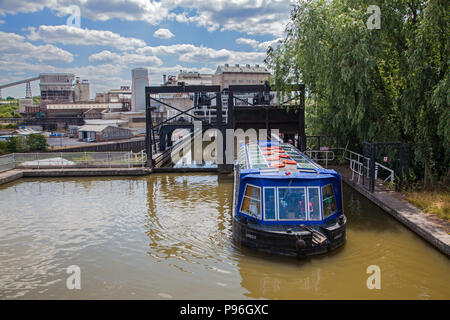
{"x": 372, "y": 84}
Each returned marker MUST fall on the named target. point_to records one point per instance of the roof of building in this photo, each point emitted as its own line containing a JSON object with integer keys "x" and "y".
{"x": 25, "y": 132}
{"x": 104, "y": 121}
{"x": 98, "y": 127}
{"x": 87, "y": 105}
{"x": 94, "y": 127}
{"x": 241, "y": 69}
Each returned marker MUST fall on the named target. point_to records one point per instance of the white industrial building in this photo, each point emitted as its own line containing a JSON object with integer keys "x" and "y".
{"x": 139, "y": 78}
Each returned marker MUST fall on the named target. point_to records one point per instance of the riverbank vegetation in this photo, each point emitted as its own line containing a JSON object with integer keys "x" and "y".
{"x": 373, "y": 84}
{"x": 433, "y": 202}
{"x": 32, "y": 143}
{"x": 10, "y": 109}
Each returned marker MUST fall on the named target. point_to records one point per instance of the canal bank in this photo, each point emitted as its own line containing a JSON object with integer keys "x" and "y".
{"x": 404, "y": 212}
{"x": 11, "y": 175}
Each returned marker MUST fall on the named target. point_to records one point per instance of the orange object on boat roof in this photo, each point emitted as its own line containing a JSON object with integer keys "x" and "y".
{"x": 273, "y": 159}
{"x": 277, "y": 165}
{"x": 284, "y": 156}
{"x": 267, "y": 153}
{"x": 289, "y": 162}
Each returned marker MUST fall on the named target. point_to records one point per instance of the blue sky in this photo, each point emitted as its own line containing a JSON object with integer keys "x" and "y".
{"x": 117, "y": 35}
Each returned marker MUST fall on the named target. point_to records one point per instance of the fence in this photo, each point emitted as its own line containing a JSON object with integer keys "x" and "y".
{"x": 320, "y": 156}
{"x": 359, "y": 165}
{"x": 7, "y": 162}
{"x": 66, "y": 160}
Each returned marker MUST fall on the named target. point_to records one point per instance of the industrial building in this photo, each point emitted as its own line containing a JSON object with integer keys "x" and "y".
{"x": 27, "y": 107}
{"x": 102, "y": 132}
{"x": 56, "y": 88}
{"x": 120, "y": 97}
{"x": 193, "y": 78}
{"x": 238, "y": 75}
{"x": 76, "y": 109}
{"x": 139, "y": 79}
{"x": 81, "y": 91}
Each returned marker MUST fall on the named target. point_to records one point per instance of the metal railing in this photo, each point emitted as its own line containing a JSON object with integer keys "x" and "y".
{"x": 7, "y": 162}
{"x": 360, "y": 165}
{"x": 66, "y": 160}
{"x": 321, "y": 156}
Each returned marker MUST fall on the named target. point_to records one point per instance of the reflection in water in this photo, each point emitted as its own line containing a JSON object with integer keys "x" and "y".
{"x": 169, "y": 236}
{"x": 188, "y": 218}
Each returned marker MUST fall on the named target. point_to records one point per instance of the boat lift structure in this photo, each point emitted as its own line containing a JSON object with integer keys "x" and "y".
{"x": 288, "y": 117}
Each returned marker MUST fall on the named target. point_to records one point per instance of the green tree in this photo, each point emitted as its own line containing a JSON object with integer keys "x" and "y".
{"x": 2, "y": 147}
{"x": 16, "y": 144}
{"x": 372, "y": 84}
{"x": 37, "y": 142}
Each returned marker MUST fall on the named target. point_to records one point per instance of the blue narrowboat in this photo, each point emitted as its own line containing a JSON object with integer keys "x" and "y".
{"x": 284, "y": 203}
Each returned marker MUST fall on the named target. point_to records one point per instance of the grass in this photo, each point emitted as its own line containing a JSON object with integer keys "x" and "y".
{"x": 434, "y": 202}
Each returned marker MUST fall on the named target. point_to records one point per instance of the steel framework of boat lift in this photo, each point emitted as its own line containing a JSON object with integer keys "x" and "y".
{"x": 293, "y": 118}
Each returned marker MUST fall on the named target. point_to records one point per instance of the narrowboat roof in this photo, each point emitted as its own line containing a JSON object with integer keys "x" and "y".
{"x": 277, "y": 159}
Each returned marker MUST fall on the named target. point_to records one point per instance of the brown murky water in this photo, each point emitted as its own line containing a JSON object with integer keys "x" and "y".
{"x": 169, "y": 236}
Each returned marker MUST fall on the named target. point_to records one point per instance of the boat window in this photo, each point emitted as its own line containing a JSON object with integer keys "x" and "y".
{"x": 329, "y": 201}
{"x": 314, "y": 204}
{"x": 291, "y": 202}
{"x": 269, "y": 204}
{"x": 251, "y": 203}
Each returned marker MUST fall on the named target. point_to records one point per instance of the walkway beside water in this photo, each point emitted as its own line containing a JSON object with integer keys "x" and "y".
{"x": 403, "y": 211}
{"x": 11, "y": 175}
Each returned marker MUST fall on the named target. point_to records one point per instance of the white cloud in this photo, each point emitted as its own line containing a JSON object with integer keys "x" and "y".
{"x": 175, "y": 49}
{"x": 125, "y": 60}
{"x": 14, "y": 48}
{"x": 78, "y": 36}
{"x": 163, "y": 34}
{"x": 212, "y": 56}
{"x": 263, "y": 46}
{"x": 150, "y": 11}
{"x": 248, "y": 16}
{"x": 205, "y": 55}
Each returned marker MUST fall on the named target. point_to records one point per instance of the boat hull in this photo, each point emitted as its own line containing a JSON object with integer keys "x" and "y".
{"x": 293, "y": 241}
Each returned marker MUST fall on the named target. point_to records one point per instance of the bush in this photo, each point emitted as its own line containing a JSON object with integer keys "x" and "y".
{"x": 37, "y": 142}
{"x": 16, "y": 144}
{"x": 2, "y": 147}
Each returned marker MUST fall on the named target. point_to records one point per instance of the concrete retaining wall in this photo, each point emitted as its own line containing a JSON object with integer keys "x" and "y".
{"x": 135, "y": 146}
{"x": 12, "y": 175}
{"x": 409, "y": 216}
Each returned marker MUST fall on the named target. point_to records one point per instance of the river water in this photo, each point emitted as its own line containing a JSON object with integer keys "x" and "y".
{"x": 168, "y": 236}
